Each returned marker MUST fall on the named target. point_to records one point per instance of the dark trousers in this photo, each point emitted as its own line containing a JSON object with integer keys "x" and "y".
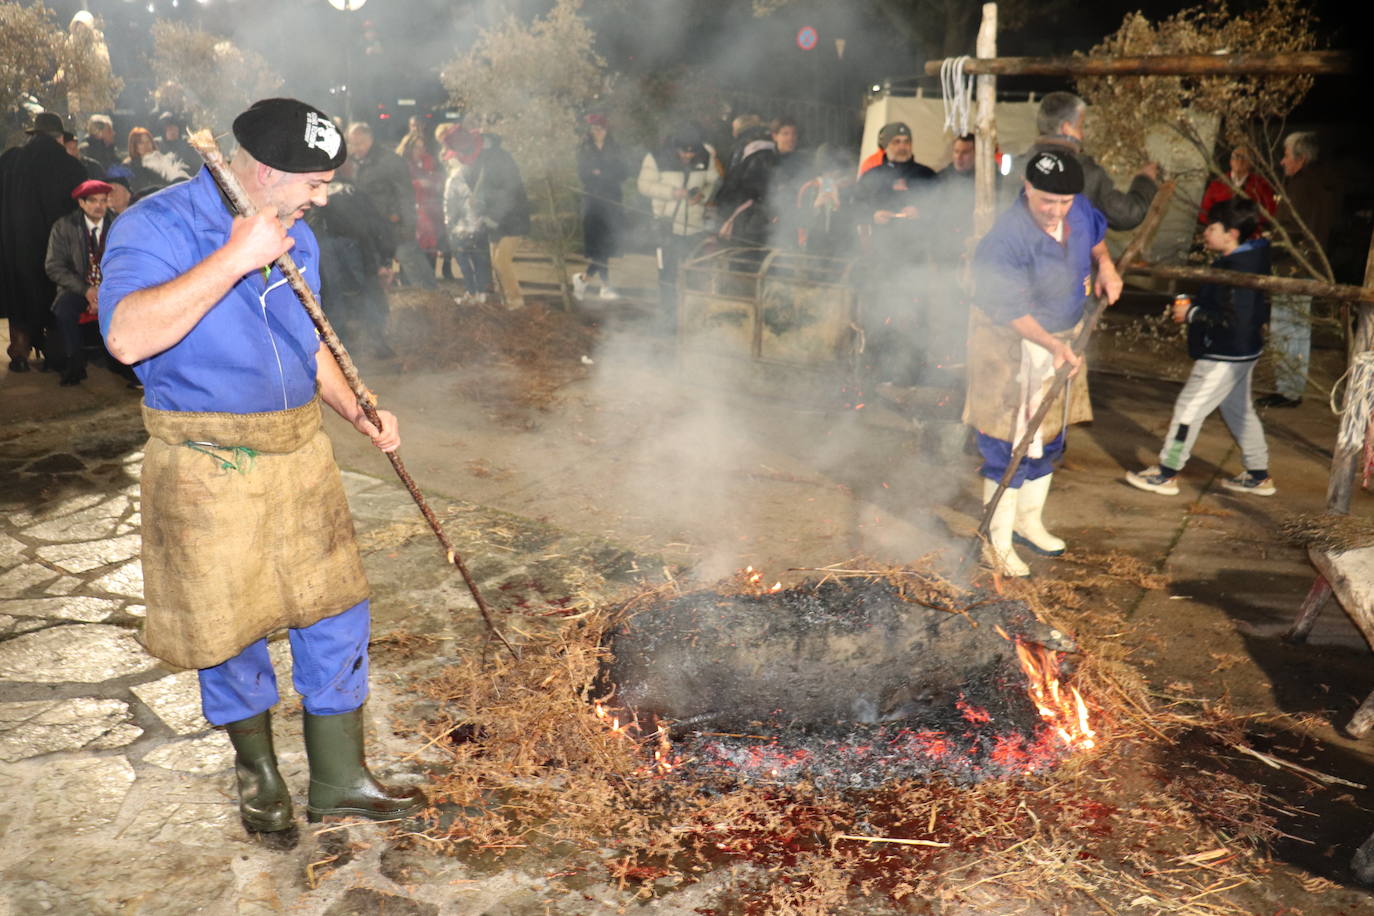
{"x": 671, "y": 253}
{"x": 70, "y": 352}
{"x": 474, "y": 262}
{"x": 598, "y": 239}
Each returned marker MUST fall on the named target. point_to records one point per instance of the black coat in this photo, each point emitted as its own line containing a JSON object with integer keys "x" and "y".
{"x": 749, "y": 182}
{"x": 1226, "y": 322}
{"x": 36, "y": 182}
{"x": 353, "y": 215}
{"x": 498, "y": 191}
{"x": 384, "y": 177}
{"x": 892, "y": 186}
{"x": 102, "y": 152}
{"x": 602, "y": 172}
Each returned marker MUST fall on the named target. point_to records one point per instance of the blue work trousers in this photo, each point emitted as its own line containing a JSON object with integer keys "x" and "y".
{"x": 329, "y": 670}
{"x": 997, "y": 455}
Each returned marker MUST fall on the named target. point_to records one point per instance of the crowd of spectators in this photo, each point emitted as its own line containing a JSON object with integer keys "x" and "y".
{"x": 450, "y": 194}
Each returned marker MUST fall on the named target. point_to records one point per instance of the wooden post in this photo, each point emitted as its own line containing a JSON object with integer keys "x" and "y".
{"x": 985, "y": 131}
{"x": 1364, "y": 330}
{"x": 560, "y": 262}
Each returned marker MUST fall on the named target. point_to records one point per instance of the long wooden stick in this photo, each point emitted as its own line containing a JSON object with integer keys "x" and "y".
{"x": 1061, "y": 375}
{"x": 1251, "y": 64}
{"x": 204, "y": 143}
{"x": 1292, "y": 286}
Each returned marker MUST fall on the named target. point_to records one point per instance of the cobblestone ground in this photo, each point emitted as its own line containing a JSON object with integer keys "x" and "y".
{"x": 120, "y": 797}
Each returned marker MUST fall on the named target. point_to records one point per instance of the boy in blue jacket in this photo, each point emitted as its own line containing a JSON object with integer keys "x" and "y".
{"x": 1225, "y": 337}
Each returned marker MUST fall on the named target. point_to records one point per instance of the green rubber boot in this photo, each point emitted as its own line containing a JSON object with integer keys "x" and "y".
{"x": 264, "y": 801}
{"x": 340, "y": 783}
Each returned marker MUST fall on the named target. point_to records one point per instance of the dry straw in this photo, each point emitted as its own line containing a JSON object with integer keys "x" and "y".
{"x": 1143, "y": 822}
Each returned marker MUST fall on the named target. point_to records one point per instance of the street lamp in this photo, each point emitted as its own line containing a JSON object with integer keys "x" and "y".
{"x": 348, "y": 6}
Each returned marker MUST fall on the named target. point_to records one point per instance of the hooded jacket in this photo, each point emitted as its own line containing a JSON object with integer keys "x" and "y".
{"x": 1226, "y": 322}
{"x": 662, "y": 173}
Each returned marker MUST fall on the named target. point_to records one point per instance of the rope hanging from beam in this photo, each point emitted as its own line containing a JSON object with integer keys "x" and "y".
{"x": 957, "y": 90}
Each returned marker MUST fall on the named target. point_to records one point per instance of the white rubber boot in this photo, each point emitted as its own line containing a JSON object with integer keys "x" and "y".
{"x": 998, "y": 552}
{"x": 1030, "y": 528}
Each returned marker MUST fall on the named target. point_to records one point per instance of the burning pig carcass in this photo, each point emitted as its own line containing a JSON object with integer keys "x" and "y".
{"x": 845, "y": 682}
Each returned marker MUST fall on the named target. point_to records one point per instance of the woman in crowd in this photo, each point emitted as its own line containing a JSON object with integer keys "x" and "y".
{"x": 150, "y": 169}
{"x": 602, "y": 168}
{"x": 428, "y": 181}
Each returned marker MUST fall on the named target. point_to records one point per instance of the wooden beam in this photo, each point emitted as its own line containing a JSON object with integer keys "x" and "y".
{"x": 985, "y": 136}
{"x": 1283, "y": 64}
{"x": 1289, "y": 285}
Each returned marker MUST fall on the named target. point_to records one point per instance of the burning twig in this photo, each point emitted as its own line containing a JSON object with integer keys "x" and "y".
{"x": 203, "y": 141}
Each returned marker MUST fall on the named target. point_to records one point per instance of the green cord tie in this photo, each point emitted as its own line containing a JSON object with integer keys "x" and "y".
{"x": 239, "y": 458}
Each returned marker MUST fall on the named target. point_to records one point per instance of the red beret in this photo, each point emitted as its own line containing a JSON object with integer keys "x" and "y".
{"x": 87, "y": 188}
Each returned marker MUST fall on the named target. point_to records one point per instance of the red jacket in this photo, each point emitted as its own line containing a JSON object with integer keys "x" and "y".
{"x": 1256, "y": 188}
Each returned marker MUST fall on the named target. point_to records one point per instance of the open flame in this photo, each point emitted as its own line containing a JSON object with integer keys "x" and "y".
{"x": 664, "y": 760}
{"x": 1064, "y": 711}
{"x": 754, "y": 580}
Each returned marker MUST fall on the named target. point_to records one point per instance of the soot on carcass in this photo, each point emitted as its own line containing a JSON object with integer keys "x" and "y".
{"x": 844, "y": 683}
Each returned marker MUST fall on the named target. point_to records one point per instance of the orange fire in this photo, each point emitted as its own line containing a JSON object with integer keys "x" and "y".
{"x": 754, "y": 579}
{"x": 1065, "y": 712}
{"x": 665, "y": 761}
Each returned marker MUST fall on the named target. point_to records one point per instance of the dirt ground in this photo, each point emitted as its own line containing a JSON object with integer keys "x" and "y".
{"x": 630, "y": 443}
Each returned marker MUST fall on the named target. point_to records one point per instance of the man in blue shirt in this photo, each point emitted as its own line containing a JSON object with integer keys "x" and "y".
{"x": 1034, "y": 275}
{"x": 245, "y": 526}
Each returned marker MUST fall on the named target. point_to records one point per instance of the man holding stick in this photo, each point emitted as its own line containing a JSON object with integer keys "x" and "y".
{"x": 1034, "y": 276}
{"x": 245, "y": 525}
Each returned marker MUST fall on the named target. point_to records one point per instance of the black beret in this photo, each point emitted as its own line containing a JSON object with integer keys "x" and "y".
{"x": 1055, "y": 173}
{"x": 291, "y": 136}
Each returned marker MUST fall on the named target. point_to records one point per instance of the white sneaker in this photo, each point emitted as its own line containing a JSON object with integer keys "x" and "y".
{"x": 608, "y": 292}
{"x": 1244, "y": 483}
{"x": 1153, "y": 480}
{"x": 579, "y": 282}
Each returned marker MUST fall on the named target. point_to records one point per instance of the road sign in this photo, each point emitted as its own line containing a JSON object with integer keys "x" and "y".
{"x": 807, "y": 37}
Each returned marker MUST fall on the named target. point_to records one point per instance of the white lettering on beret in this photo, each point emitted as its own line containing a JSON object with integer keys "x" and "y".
{"x": 321, "y": 134}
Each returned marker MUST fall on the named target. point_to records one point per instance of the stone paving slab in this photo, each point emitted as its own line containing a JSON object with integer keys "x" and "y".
{"x": 123, "y": 797}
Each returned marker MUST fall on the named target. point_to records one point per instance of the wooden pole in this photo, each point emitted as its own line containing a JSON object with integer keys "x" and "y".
{"x": 1139, "y": 242}
{"x": 204, "y": 143}
{"x": 985, "y": 130}
{"x": 1290, "y": 285}
{"x": 560, "y": 262}
{"x": 1291, "y": 63}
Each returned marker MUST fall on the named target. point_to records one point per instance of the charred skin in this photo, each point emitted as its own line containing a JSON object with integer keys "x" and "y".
{"x": 815, "y": 658}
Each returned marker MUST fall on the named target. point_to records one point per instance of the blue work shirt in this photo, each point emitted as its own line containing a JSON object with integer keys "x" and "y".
{"x": 1021, "y": 270}
{"x": 254, "y": 350}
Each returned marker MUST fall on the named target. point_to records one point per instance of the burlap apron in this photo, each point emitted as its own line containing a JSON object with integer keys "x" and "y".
{"x": 236, "y": 543}
{"x": 994, "y": 389}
